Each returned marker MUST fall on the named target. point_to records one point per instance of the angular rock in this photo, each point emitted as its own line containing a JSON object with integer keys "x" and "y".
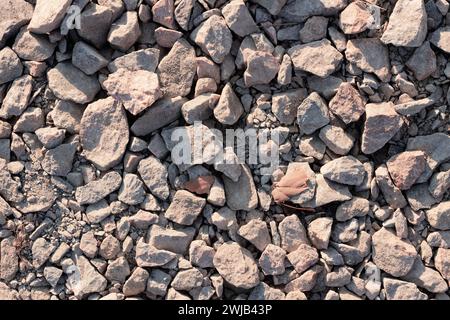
{"x": 184, "y": 208}
{"x": 187, "y": 279}
{"x": 347, "y": 104}
{"x": 177, "y": 70}
{"x": 149, "y": 256}
{"x": 236, "y": 265}
{"x": 136, "y": 90}
{"x": 171, "y": 240}
{"x": 312, "y": 114}
{"x": 229, "y": 108}
{"x": 319, "y": 231}
{"x": 292, "y": 233}
{"x": 124, "y": 31}
{"x": 132, "y": 190}
{"x": 262, "y": 67}
{"x": 35, "y": 47}
{"x": 136, "y": 283}
{"x": 303, "y": 258}
{"x": 10, "y": 65}
{"x": 442, "y": 262}
{"x": 328, "y": 192}
{"x": 346, "y": 170}
{"x": 406, "y": 167}
{"x": 48, "y": 15}
{"x": 95, "y": 22}
{"x": 17, "y": 98}
{"x": 439, "y": 216}
{"x": 96, "y": 190}
{"x": 407, "y": 25}
{"x": 104, "y": 133}
{"x": 238, "y": 18}
{"x": 67, "y": 115}
{"x": 87, "y": 59}
{"x": 13, "y": 15}
{"x": 370, "y": 55}
{"x": 256, "y": 233}
{"x": 200, "y": 108}
{"x": 272, "y": 260}
{"x": 426, "y": 278}
{"x": 402, "y": 290}
{"x": 241, "y": 195}
{"x": 357, "y": 207}
{"x": 285, "y": 104}
{"x": 382, "y": 123}
{"x": 84, "y": 279}
{"x": 69, "y": 83}
{"x": 315, "y": 28}
{"x": 163, "y": 13}
{"x": 9, "y": 262}
{"x": 391, "y": 254}
{"x": 154, "y": 174}
{"x": 391, "y": 193}
{"x": 145, "y": 59}
{"x": 319, "y": 58}
{"x": 300, "y": 10}
{"x": 336, "y": 139}
{"x": 41, "y": 250}
{"x": 200, "y": 254}
{"x": 58, "y": 161}
{"x": 423, "y": 62}
{"x": 355, "y": 18}
{"x": 439, "y": 184}
{"x": 213, "y": 37}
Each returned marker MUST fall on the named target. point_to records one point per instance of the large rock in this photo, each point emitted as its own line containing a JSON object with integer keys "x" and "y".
{"x": 184, "y": 208}
{"x": 70, "y": 83}
{"x": 48, "y": 15}
{"x": 355, "y": 18}
{"x": 95, "y": 22}
{"x": 236, "y": 265}
{"x": 319, "y": 58}
{"x": 426, "y": 277}
{"x": 136, "y": 90}
{"x": 407, "y": 25}
{"x": 423, "y": 62}
{"x": 17, "y": 98}
{"x": 177, "y": 70}
{"x": 87, "y": 59}
{"x": 391, "y": 254}
{"x": 13, "y": 15}
{"x": 213, "y": 37}
{"x": 241, "y": 195}
{"x": 9, "y": 262}
{"x": 370, "y": 55}
{"x": 262, "y": 67}
{"x": 35, "y": 47}
{"x": 171, "y": 240}
{"x": 328, "y": 192}
{"x": 382, "y": 123}
{"x": 346, "y": 170}
{"x": 273, "y": 6}
{"x": 104, "y": 133}
{"x": 285, "y": 104}
{"x": 124, "y": 31}
{"x": 238, "y": 18}
{"x": 439, "y": 216}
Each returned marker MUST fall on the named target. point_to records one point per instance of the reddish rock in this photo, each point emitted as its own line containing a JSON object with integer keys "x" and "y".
{"x": 406, "y": 167}
{"x": 347, "y": 104}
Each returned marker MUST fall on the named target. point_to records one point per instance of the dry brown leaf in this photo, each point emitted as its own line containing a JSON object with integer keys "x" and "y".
{"x": 200, "y": 185}
{"x": 289, "y": 186}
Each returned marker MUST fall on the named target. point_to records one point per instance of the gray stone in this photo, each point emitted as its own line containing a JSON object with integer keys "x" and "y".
{"x": 171, "y": 240}
{"x": 10, "y": 65}
{"x": 229, "y": 108}
{"x": 132, "y": 190}
{"x": 95, "y": 22}
{"x": 257, "y": 233}
{"x": 241, "y": 195}
{"x": 149, "y": 256}
{"x": 357, "y": 207}
{"x": 13, "y": 15}
{"x": 439, "y": 216}
{"x": 336, "y": 139}
{"x": 200, "y": 108}
{"x": 300, "y": 10}
{"x": 303, "y": 258}
{"x": 292, "y": 233}
{"x": 347, "y": 104}
{"x": 285, "y": 104}
{"x": 96, "y": 190}
{"x": 262, "y": 68}
{"x": 17, "y": 98}
{"x": 87, "y": 59}
{"x": 154, "y": 174}
{"x": 272, "y": 259}
{"x": 315, "y": 28}
{"x": 319, "y": 231}
{"x": 184, "y": 208}
{"x": 58, "y": 161}
{"x": 34, "y": 47}
{"x": 402, "y": 290}
{"x": 422, "y": 62}
{"x": 312, "y": 114}
{"x": 346, "y": 170}
{"x": 238, "y": 18}
{"x": 48, "y": 15}
{"x": 187, "y": 279}
{"x": 136, "y": 283}
{"x": 328, "y": 192}
{"x": 145, "y": 59}
{"x": 124, "y": 31}
{"x": 391, "y": 193}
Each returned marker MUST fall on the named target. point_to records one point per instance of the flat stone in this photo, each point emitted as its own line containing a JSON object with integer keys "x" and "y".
{"x": 166, "y": 38}
{"x": 132, "y": 190}
{"x": 124, "y": 31}
{"x": 10, "y": 66}
{"x": 17, "y": 98}
{"x": 162, "y": 113}
{"x": 312, "y": 114}
{"x": 177, "y": 69}
{"x": 158, "y": 282}
{"x": 13, "y": 15}
{"x": 213, "y": 37}
{"x": 118, "y": 270}
{"x": 9, "y": 263}
{"x": 171, "y": 240}
{"x": 357, "y": 207}
{"x": 154, "y": 174}
{"x": 229, "y": 108}
{"x": 69, "y": 83}
{"x": 50, "y": 137}
{"x": 391, "y": 254}
{"x": 407, "y": 25}
{"x": 149, "y": 256}
{"x": 439, "y": 216}
{"x": 145, "y": 59}
{"x": 187, "y": 279}
{"x": 96, "y": 190}
{"x": 41, "y": 251}
{"x": 347, "y": 104}
{"x": 328, "y": 192}
{"x": 370, "y": 55}
{"x": 241, "y": 195}
{"x": 336, "y": 139}
{"x": 413, "y": 107}
{"x": 88, "y": 244}
{"x": 48, "y": 15}
{"x": 87, "y": 59}
{"x": 406, "y": 167}
{"x": 236, "y": 265}
{"x": 184, "y": 208}
{"x": 136, "y": 90}
{"x": 391, "y": 193}
{"x": 104, "y": 133}
{"x": 346, "y": 170}
{"x": 266, "y": 292}
{"x": 35, "y": 47}
{"x": 98, "y": 211}
{"x": 319, "y": 58}
{"x": 402, "y": 290}
{"x": 382, "y": 123}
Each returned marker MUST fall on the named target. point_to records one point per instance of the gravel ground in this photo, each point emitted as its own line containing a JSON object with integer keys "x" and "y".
{"x": 94, "y": 204}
